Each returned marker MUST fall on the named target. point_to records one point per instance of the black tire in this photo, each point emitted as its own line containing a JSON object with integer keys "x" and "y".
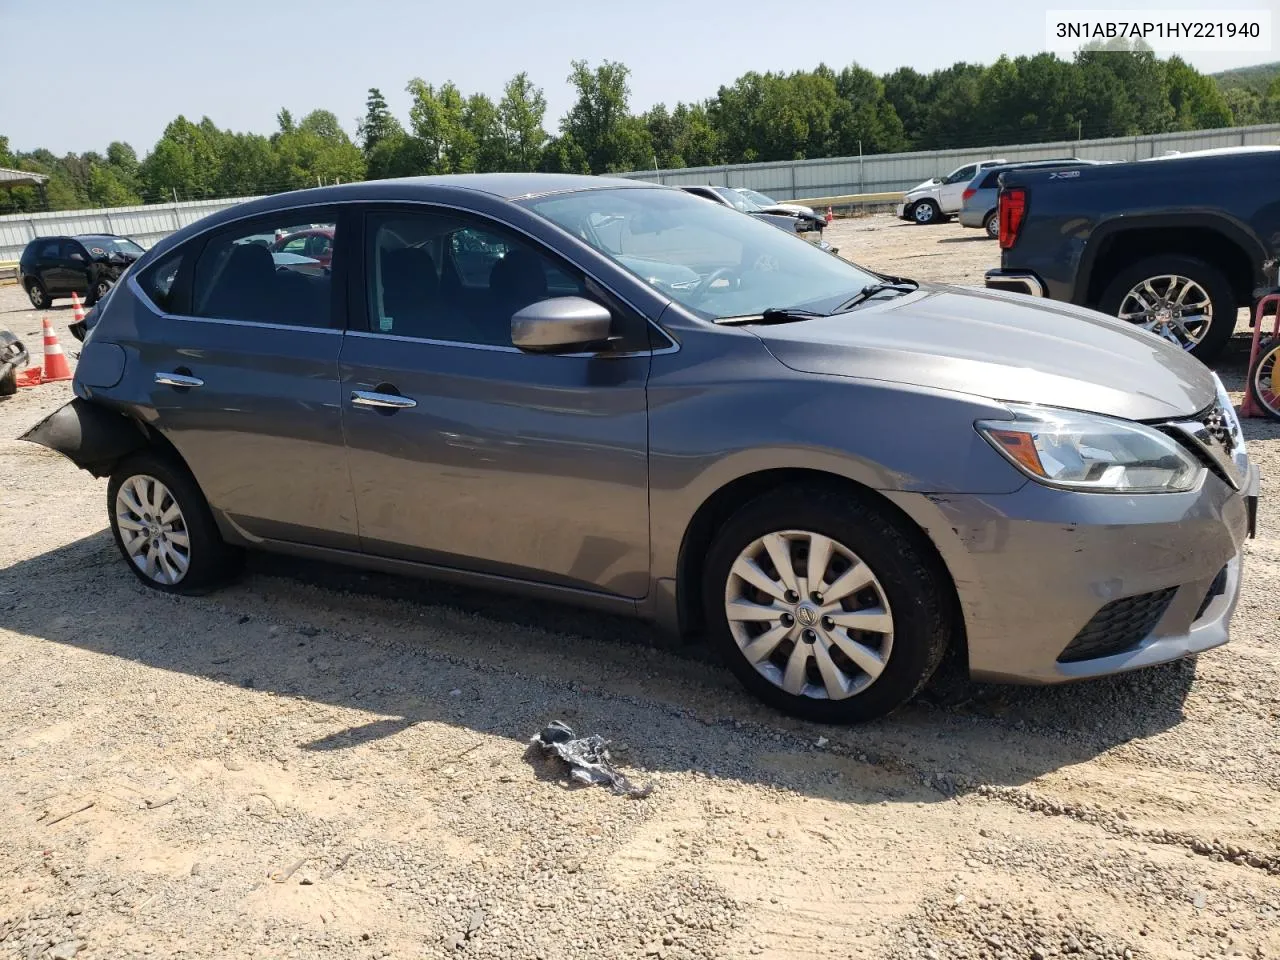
{"x": 96, "y": 292}
{"x": 1209, "y": 277}
{"x": 914, "y": 582}
{"x": 38, "y": 295}
{"x": 9, "y": 383}
{"x": 211, "y": 561}
{"x": 1264, "y": 378}
{"x": 992, "y": 225}
{"x": 928, "y": 210}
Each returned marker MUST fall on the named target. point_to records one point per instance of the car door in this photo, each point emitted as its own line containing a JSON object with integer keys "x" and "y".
{"x": 468, "y": 453}
{"x": 77, "y": 261}
{"x": 951, "y": 193}
{"x": 244, "y": 368}
{"x": 50, "y": 266}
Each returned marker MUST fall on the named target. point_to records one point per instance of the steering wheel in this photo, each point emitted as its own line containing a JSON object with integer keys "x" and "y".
{"x": 702, "y": 289}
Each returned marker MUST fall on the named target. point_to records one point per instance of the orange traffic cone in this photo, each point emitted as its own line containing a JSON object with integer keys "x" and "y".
{"x": 77, "y": 309}
{"x": 830, "y": 215}
{"x": 55, "y": 361}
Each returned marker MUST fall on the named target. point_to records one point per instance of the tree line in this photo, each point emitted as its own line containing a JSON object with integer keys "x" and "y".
{"x": 801, "y": 115}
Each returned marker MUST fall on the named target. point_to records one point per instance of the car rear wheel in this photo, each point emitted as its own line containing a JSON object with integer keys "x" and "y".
{"x": 992, "y": 225}
{"x": 164, "y": 528}
{"x": 825, "y": 607}
{"x": 38, "y": 295}
{"x": 1183, "y": 299}
{"x": 1264, "y": 378}
{"x": 926, "y": 212}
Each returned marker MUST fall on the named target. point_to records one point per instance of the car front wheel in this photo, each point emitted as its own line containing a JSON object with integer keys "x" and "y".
{"x": 825, "y": 607}
{"x": 926, "y": 212}
{"x": 164, "y": 528}
{"x": 99, "y": 290}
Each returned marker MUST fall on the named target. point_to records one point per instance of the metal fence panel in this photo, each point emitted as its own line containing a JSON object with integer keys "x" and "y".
{"x": 882, "y": 173}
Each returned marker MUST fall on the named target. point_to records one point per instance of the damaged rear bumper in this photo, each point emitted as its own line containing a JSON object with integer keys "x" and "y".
{"x": 13, "y": 353}
{"x": 93, "y": 437}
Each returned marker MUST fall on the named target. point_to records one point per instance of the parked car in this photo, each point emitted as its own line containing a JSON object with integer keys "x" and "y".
{"x": 510, "y": 395}
{"x": 53, "y": 268}
{"x": 1175, "y": 246}
{"x": 978, "y": 208}
{"x": 810, "y": 228}
{"x": 936, "y": 200}
{"x": 770, "y": 205}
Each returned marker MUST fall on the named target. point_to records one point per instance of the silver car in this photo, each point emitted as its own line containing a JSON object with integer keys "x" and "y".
{"x": 619, "y": 395}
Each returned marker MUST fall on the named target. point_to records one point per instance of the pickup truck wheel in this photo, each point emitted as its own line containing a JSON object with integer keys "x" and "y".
{"x": 823, "y": 606}
{"x": 1183, "y": 299}
{"x": 992, "y": 225}
{"x": 1264, "y": 378}
{"x": 926, "y": 212}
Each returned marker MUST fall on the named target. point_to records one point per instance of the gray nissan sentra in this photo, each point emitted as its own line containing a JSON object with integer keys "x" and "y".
{"x": 620, "y": 395}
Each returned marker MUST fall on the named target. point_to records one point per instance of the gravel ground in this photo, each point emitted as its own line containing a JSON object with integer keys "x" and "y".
{"x": 321, "y": 763}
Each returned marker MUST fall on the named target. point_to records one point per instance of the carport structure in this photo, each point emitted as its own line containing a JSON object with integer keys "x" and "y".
{"x": 24, "y": 178}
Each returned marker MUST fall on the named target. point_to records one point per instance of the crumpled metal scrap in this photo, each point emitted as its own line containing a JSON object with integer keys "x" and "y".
{"x": 587, "y": 758}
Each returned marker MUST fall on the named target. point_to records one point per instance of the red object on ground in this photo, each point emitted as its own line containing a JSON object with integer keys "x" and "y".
{"x": 830, "y": 215}
{"x": 1251, "y": 407}
{"x": 55, "y": 361}
{"x": 31, "y": 377}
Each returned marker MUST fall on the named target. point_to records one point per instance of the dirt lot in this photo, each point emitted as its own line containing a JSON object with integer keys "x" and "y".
{"x": 318, "y": 763}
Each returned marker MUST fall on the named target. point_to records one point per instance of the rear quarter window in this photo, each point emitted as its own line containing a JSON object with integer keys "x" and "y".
{"x": 159, "y": 282}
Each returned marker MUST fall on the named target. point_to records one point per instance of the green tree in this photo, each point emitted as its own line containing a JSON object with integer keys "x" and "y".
{"x": 521, "y": 112}
{"x": 1197, "y": 102}
{"x": 435, "y": 117}
{"x": 600, "y": 123}
{"x": 488, "y": 140}
{"x": 315, "y": 151}
{"x": 378, "y": 124}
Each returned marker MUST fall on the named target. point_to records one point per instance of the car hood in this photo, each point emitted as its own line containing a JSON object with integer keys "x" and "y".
{"x": 790, "y": 208}
{"x": 1001, "y": 346}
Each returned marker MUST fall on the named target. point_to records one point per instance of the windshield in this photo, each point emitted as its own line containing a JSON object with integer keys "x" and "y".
{"x": 105, "y": 246}
{"x": 758, "y": 198}
{"x": 737, "y": 200}
{"x": 715, "y": 262}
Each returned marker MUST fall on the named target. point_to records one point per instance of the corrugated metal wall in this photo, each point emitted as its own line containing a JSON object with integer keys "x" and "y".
{"x": 145, "y": 225}
{"x": 833, "y": 177}
{"x": 840, "y": 176}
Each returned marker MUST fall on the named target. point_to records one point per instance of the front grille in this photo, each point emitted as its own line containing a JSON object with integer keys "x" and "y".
{"x": 1216, "y": 589}
{"x": 1118, "y": 627}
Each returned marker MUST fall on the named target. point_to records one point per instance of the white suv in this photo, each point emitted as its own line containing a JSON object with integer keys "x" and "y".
{"x": 936, "y": 200}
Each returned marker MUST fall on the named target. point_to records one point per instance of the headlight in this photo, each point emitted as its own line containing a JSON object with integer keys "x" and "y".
{"x": 1080, "y": 451}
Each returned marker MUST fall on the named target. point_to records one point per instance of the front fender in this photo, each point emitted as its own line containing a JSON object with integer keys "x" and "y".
{"x": 93, "y": 437}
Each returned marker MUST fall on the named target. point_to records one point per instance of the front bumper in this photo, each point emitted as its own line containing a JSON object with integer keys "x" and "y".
{"x": 900, "y": 211}
{"x": 1036, "y": 569}
{"x": 1015, "y": 281}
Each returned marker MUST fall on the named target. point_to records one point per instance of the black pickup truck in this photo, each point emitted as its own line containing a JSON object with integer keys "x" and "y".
{"x": 1176, "y": 244}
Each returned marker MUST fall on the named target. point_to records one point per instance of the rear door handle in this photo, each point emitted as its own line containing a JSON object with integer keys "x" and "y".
{"x": 178, "y": 380}
{"x": 381, "y": 401}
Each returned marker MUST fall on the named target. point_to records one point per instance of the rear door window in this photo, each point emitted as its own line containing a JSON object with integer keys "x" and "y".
{"x": 238, "y": 277}
{"x": 48, "y": 250}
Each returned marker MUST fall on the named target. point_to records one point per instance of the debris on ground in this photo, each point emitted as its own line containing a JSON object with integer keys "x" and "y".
{"x": 587, "y": 758}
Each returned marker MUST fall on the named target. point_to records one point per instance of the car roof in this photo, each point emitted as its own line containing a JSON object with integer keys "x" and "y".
{"x": 98, "y": 236}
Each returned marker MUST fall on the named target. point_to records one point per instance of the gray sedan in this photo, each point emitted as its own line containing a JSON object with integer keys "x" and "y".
{"x": 619, "y": 395}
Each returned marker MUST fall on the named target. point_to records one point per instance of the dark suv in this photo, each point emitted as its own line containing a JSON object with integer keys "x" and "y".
{"x": 87, "y": 265}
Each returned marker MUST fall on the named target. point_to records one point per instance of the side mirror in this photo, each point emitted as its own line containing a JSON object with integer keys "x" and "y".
{"x": 561, "y": 325}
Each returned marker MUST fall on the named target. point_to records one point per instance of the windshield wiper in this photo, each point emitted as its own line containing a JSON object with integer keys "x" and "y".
{"x": 774, "y": 315}
{"x": 874, "y": 289}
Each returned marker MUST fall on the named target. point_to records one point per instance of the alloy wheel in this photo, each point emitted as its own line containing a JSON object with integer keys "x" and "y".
{"x": 153, "y": 529}
{"x": 1171, "y": 306}
{"x": 809, "y": 615}
{"x": 1266, "y": 379}
{"x": 923, "y": 213}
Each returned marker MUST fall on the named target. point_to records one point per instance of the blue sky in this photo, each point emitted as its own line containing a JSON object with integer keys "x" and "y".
{"x": 128, "y": 68}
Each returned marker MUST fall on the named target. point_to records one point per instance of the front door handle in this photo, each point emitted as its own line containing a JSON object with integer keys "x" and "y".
{"x": 381, "y": 401}
{"x": 178, "y": 380}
